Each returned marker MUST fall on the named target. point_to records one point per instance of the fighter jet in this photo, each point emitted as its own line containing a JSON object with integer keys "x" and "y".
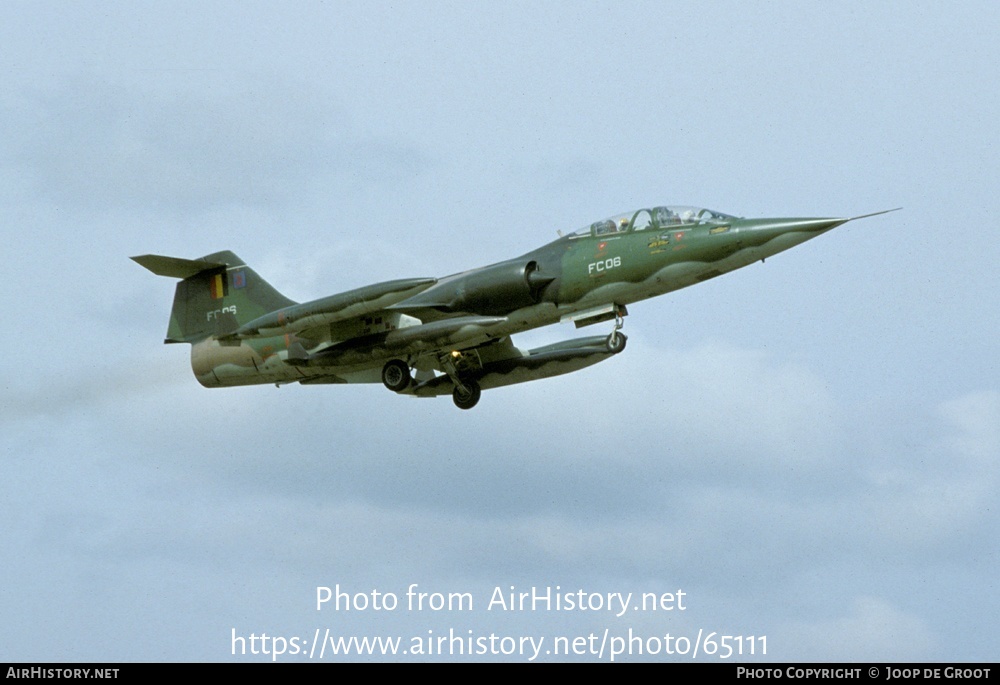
{"x": 426, "y": 337}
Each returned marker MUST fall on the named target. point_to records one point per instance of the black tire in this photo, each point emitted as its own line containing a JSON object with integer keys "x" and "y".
{"x": 467, "y": 400}
{"x": 396, "y": 375}
{"x": 616, "y": 342}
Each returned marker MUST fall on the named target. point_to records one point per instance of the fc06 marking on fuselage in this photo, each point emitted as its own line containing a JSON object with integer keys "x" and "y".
{"x": 604, "y": 265}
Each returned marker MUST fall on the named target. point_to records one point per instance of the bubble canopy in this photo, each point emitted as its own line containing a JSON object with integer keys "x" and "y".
{"x": 656, "y": 218}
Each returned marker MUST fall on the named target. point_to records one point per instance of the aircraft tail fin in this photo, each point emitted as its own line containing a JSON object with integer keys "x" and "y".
{"x": 217, "y": 294}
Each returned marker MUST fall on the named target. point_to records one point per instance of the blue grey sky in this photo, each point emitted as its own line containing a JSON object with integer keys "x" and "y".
{"x": 808, "y": 448}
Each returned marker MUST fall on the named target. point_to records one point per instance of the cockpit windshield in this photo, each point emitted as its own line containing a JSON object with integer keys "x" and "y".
{"x": 655, "y": 218}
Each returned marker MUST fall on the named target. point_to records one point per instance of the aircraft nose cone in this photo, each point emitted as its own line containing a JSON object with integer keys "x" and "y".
{"x": 775, "y": 235}
{"x": 786, "y": 232}
{"x": 816, "y": 226}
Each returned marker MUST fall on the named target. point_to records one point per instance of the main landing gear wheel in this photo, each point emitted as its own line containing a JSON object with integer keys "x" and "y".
{"x": 468, "y": 398}
{"x": 616, "y": 342}
{"x": 396, "y": 375}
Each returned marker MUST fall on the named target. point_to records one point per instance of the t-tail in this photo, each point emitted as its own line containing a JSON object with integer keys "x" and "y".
{"x": 217, "y": 294}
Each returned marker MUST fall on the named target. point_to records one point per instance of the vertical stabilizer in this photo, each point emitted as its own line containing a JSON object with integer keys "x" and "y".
{"x": 216, "y": 295}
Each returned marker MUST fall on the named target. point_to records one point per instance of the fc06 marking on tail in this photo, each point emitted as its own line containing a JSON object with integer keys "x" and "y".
{"x": 216, "y": 313}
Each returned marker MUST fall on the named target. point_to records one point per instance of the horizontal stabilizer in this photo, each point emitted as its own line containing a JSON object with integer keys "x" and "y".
{"x": 175, "y": 267}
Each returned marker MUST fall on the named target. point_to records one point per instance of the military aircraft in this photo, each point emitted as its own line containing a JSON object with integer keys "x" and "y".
{"x": 439, "y": 336}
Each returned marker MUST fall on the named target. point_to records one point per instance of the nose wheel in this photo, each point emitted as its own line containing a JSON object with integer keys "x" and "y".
{"x": 616, "y": 341}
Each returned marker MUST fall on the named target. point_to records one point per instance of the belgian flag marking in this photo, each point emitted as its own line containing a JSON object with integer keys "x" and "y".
{"x": 217, "y": 286}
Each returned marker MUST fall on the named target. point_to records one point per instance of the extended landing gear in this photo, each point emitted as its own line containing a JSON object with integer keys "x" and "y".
{"x": 396, "y": 375}
{"x": 616, "y": 341}
{"x": 466, "y": 394}
{"x": 467, "y": 391}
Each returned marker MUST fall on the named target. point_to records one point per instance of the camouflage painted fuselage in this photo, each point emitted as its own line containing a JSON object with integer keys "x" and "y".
{"x": 242, "y": 331}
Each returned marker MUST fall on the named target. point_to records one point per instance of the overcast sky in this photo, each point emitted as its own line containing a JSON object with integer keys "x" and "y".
{"x": 809, "y": 448}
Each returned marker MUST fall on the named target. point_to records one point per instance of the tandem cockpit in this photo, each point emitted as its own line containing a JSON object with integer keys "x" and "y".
{"x": 656, "y": 218}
